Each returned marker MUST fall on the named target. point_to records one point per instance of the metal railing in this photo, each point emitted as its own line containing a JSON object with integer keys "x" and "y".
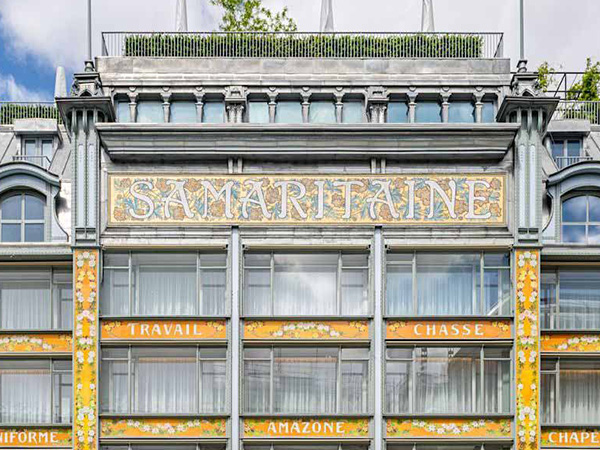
{"x": 578, "y": 110}
{"x": 302, "y": 45}
{"x": 39, "y": 160}
{"x": 563, "y": 84}
{"x": 10, "y": 111}
{"x": 566, "y": 161}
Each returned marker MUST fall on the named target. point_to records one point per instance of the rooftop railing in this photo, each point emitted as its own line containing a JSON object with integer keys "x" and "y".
{"x": 10, "y": 111}
{"x": 302, "y": 45}
{"x": 578, "y": 110}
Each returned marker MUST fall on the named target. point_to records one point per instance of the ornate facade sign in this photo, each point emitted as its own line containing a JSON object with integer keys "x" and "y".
{"x": 164, "y": 428}
{"x": 306, "y": 428}
{"x": 449, "y": 329}
{"x": 570, "y": 343}
{"x": 36, "y": 343}
{"x": 449, "y": 428}
{"x": 305, "y": 330}
{"x": 412, "y": 199}
{"x": 85, "y": 358}
{"x": 527, "y": 346}
{"x": 571, "y": 437}
{"x": 36, "y": 437}
{"x": 155, "y": 330}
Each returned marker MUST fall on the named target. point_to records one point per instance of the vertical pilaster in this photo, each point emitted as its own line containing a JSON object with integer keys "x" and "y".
{"x": 527, "y": 349}
{"x": 85, "y": 349}
{"x": 235, "y": 250}
{"x": 378, "y": 252}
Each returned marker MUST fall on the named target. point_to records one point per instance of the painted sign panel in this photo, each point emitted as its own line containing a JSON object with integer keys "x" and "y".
{"x": 449, "y": 428}
{"x": 570, "y": 343}
{"x": 306, "y": 330}
{"x": 163, "y": 329}
{"x": 35, "y": 437}
{"x": 448, "y": 329}
{"x": 306, "y": 428}
{"x": 36, "y": 343}
{"x": 571, "y": 437}
{"x": 162, "y": 428}
{"x": 144, "y": 199}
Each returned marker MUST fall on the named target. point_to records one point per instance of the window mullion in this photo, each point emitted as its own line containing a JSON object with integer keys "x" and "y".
{"x": 199, "y": 386}
{"x": 130, "y": 282}
{"x": 482, "y": 392}
{"x": 338, "y": 394}
{"x": 271, "y": 384}
{"x": 339, "y": 284}
{"x": 199, "y": 296}
{"x": 414, "y": 285}
{"x": 272, "y": 283}
{"x": 129, "y": 381}
{"x": 412, "y": 385}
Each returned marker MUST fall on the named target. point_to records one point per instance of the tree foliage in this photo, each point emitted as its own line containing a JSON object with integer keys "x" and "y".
{"x": 251, "y": 15}
{"x": 587, "y": 89}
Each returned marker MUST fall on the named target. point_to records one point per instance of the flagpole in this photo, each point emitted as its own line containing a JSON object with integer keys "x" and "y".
{"x": 522, "y": 25}
{"x": 89, "y": 30}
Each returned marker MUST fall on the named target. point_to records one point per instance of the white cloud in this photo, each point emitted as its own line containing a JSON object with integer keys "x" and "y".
{"x": 12, "y": 91}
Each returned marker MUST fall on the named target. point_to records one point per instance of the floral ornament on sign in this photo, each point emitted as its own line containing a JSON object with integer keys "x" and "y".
{"x": 36, "y": 343}
{"x": 449, "y": 428}
{"x": 157, "y": 428}
{"x": 581, "y": 343}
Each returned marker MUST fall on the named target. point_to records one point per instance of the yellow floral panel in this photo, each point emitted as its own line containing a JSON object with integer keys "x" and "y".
{"x": 571, "y": 437}
{"x": 416, "y": 199}
{"x": 305, "y": 330}
{"x": 164, "y": 428}
{"x": 35, "y": 437}
{"x": 449, "y": 329}
{"x": 527, "y": 346}
{"x": 449, "y": 428}
{"x": 163, "y": 330}
{"x": 85, "y": 358}
{"x": 36, "y": 343}
{"x": 570, "y": 343}
{"x": 306, "y": 428}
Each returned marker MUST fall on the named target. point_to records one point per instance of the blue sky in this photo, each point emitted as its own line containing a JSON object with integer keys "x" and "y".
{"x": 38, "y": 35}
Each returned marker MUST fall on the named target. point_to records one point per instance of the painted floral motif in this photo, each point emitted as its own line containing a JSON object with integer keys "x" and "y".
{"x": 85, "y": 360}
{"x": 306, "y": 428}
{"x": 577, "y": 343}
{"x": 36, "y": 343}
{"x": 526, "y": 346}
{"x": 447, "y": 428}
{"x": 163, "y": 329}
{"x": 146, "y": 199}
{"x": 306, "y": 330}
{"x": 197, "y": 428}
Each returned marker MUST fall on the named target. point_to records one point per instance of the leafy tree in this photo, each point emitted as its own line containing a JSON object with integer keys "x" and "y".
{"x": 251, "y": 15}
{"x": 587, "y": 88}
{"x": 545, "y": 76}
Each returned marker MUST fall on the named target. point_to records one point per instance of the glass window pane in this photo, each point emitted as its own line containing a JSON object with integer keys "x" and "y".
{"x": 573, "y": 233}
{"x": 123, "y": 113}
{"x": 548, "y": 299}
{"x": 579, "y": 298}
{"x": 322, "y": 112}
{"x": 213, "y": 382}
{"x": 213, "y": 353}
{"x": 288, "y": 112}
{"x": 115, "y": 292}
{"x": 150, "y": 111}
{"x": 63, "y": 398}
{"x": 11, "y": 232}
{"x": 64, "y": 296}
{"x": 397, "y": 382}
{"x": 353, "y": 112}
{"x": 258, "y": 112}
{"x": 354, "y": 292}
{"x": 428, "y": 112}
{"x": 548, "y": 397}
{"x": 354, "y": 395}
{"x": 47, "y": 149}
{"x": 399, "y": 290}
{"x": 30, "y": 148}
{"x": 574, "y": 209}
{"x": 573, "y": 148}
{"x": 11, "y": 208}
{"x": 257, "y": 292}
{"x": 214, "y": 112}
{"x": 593, "y": 234}
{"x": 579, "y": 391}
{"x": 257, "y": 397}
{"x": 34, "y": 232}
{"x": 497, "y": 386}
{"x": 496, "y": 292}
{"x": 20, "y": 295}
{"x": 461, "y": 112}
{"x": 34, "y": 208}
{"x": 397, "y": 112}
{"x": 488, "y": 113}
{"x": 183, "y": 112}
{"x": 25, "y": 390}
{"x": 113, "y": 384}
{"x": 594, "y": 208}
{"x": 213, "y": 291}
{"x": 558, "y": 149}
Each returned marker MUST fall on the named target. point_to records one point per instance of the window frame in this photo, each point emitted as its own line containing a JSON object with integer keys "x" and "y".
{"x": 412, "y": 385}
{"x": 565, "y": 151}
{"x": 413, "y": 264}
{"x": 23, "y": 221}
{"x": 198, "y": 379}
{"x": 338, "y": 287}
{"x": 38, "y": 158}
{"x": 586, "y": 224}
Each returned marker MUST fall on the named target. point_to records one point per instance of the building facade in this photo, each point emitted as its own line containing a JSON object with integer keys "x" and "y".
{"x": 300, "y": 242}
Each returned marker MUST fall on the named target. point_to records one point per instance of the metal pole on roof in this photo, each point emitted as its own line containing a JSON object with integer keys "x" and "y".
{"x": 427, "y": 22}
{"x": 181, "y": 22}
{"x": 522, "y": 28}
{"x": 327, "y": 25}
{"x": 89, "y": 30}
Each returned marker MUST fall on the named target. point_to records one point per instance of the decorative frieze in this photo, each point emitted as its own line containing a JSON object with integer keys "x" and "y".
{"x": 163, "y": 428}
{"x": 451, "y": 429}
{"x": 26, "y": 343}
{"x": 570, "y": 343}
{"x": 306, "y": 428}
{"x": 449, "y": 329}
{"x": 305, "y": 330}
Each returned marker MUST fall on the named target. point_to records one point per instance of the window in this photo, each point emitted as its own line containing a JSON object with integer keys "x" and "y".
{"x": 288, "y": 111}
{"x": 488, "y": 114}
{"x": 38, "y": 151}
{"x": 164, "y": 284}
{"x": 150, "y": 111}
{"x": 325, "y": 284}
{"x": 317, "y": 446}
{"x": 449, "y": 446}
{"x": 353, "y": 112}
{"x": 570, "y": 299}
{"x": 123, "y": 111}
{"x": 448, "y": 380}
{"x": 397, "y": 112}
{"x": 145, "y": 446}
{"x": 570, "y": 391}
{"x": 22, "y": 218}
{"x": 566, "y": 152}
{"x": 183, "y": 112}
{"x": 581, "y": 220}
{"x": 322, "y": 112}
{"x": 258, "y": 111}
{"x": 442, "y": 284}
{"x": 428, "y": 112}
{"x": 163, "y": 380}
{"x": 47, "y": 292}
{"x": 461, "y": 112}
{"x": 35, "y": 391}
{"x": 214, "y": 112}
{"x": 320, "y": 380}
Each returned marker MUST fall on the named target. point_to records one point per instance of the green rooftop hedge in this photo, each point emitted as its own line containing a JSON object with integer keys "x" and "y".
{"x": 11, "y": 111}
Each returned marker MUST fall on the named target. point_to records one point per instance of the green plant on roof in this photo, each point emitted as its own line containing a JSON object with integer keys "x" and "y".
{"x": 251, "y": 15}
